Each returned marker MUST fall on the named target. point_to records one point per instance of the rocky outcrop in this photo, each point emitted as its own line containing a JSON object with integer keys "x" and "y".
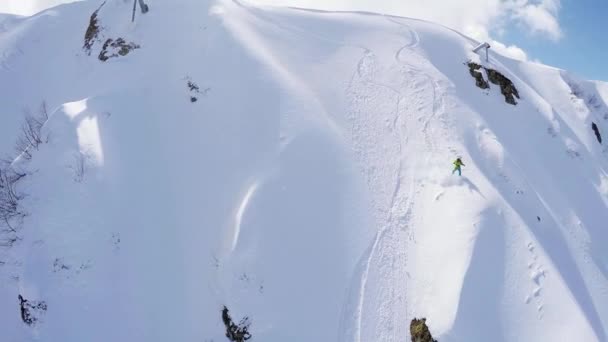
{"x": 596, "y": 130}
{"x": 90, "y": 36}
{"x": 31, "y": 310}
{"x": 419, "y": 331}
{"x": 111, "y": 47}
{"x": 477, "y": 75}
{"x": 114, "y": 48}
{"x": 235, "y": 332}
{"x": 507, "y": 88}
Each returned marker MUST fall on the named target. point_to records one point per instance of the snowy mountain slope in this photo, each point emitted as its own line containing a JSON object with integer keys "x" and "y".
{"x": 294, "y": 166}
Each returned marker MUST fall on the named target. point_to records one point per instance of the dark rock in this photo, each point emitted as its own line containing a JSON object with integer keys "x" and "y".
{"x": 478, "y": 76}
{"x": 90, "y": 36}
{"x": 234, "y": 332}
{"x": 507, "y": 88}
{"x": 114, "y": 48}
{"x": 597, "y": 132}
{"x": 419, "y": 331}
{"x": 31, "y": 310}
{"x": 193, "y": 87}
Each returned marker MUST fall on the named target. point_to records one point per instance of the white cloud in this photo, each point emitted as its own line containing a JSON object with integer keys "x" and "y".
{"x": 509, "y": 50}
{"x": 541, "y": 18}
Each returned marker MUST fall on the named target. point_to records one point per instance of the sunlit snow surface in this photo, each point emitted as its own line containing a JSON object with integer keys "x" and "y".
{"x": 309, "y": 186}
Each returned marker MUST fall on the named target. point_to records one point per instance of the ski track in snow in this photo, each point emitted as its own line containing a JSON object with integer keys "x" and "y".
{"x": 397, "y": 211}
{"x": 388, "y": 253}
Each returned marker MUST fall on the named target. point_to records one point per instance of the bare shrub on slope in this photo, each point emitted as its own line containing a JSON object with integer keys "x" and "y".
{"x": 9, "y": 206}
{"x": 30, "y": 137}
{"x": 236, "y": 332}
{"x": 31, "y": 132}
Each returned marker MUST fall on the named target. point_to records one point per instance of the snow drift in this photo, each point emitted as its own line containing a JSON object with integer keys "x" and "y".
{"x": 294, "y": 166}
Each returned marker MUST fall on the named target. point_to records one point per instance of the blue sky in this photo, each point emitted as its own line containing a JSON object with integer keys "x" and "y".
{"x": 583, "y": 47}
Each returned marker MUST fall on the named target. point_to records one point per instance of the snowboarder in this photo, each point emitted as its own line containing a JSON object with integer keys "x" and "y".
{"x": 457, "y": 164}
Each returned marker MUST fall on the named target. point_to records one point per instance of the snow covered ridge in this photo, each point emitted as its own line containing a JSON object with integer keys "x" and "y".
{"x": 271, "y": 174}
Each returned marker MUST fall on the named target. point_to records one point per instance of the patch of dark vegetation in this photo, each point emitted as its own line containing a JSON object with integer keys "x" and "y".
{"x": 419, "y": 331}
{"x": 193, "y": 87}
{"x": 59, "y": 265}
{"x": 90, "y": 36}
{"x": 597, "y": 132}
{"x": 10, "y": 211}
{"x": 9, "y": 205}
{"x": 507, "y": 88}
{"x": 236, "y": 332}
{"x": 29, "y": 139}
{"x": 195, "y": 90}
{"x": 114, "y": 48}
{"x": 477, "y": 75}
{"x": 31, "y": 311}
{"x": 79, "y": 166}
{"x": 31, "y": 136}
{"x": 70, "y": 270}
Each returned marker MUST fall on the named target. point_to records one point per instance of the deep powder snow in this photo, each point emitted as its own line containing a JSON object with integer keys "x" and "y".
{"x": 285, "y": 174}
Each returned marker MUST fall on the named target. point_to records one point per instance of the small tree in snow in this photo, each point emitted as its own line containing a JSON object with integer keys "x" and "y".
{"x": 31, "y": 132}
{"x": 9, "y": 205}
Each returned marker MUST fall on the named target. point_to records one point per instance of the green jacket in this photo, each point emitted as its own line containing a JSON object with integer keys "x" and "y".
{"x": 458, "y": 163}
